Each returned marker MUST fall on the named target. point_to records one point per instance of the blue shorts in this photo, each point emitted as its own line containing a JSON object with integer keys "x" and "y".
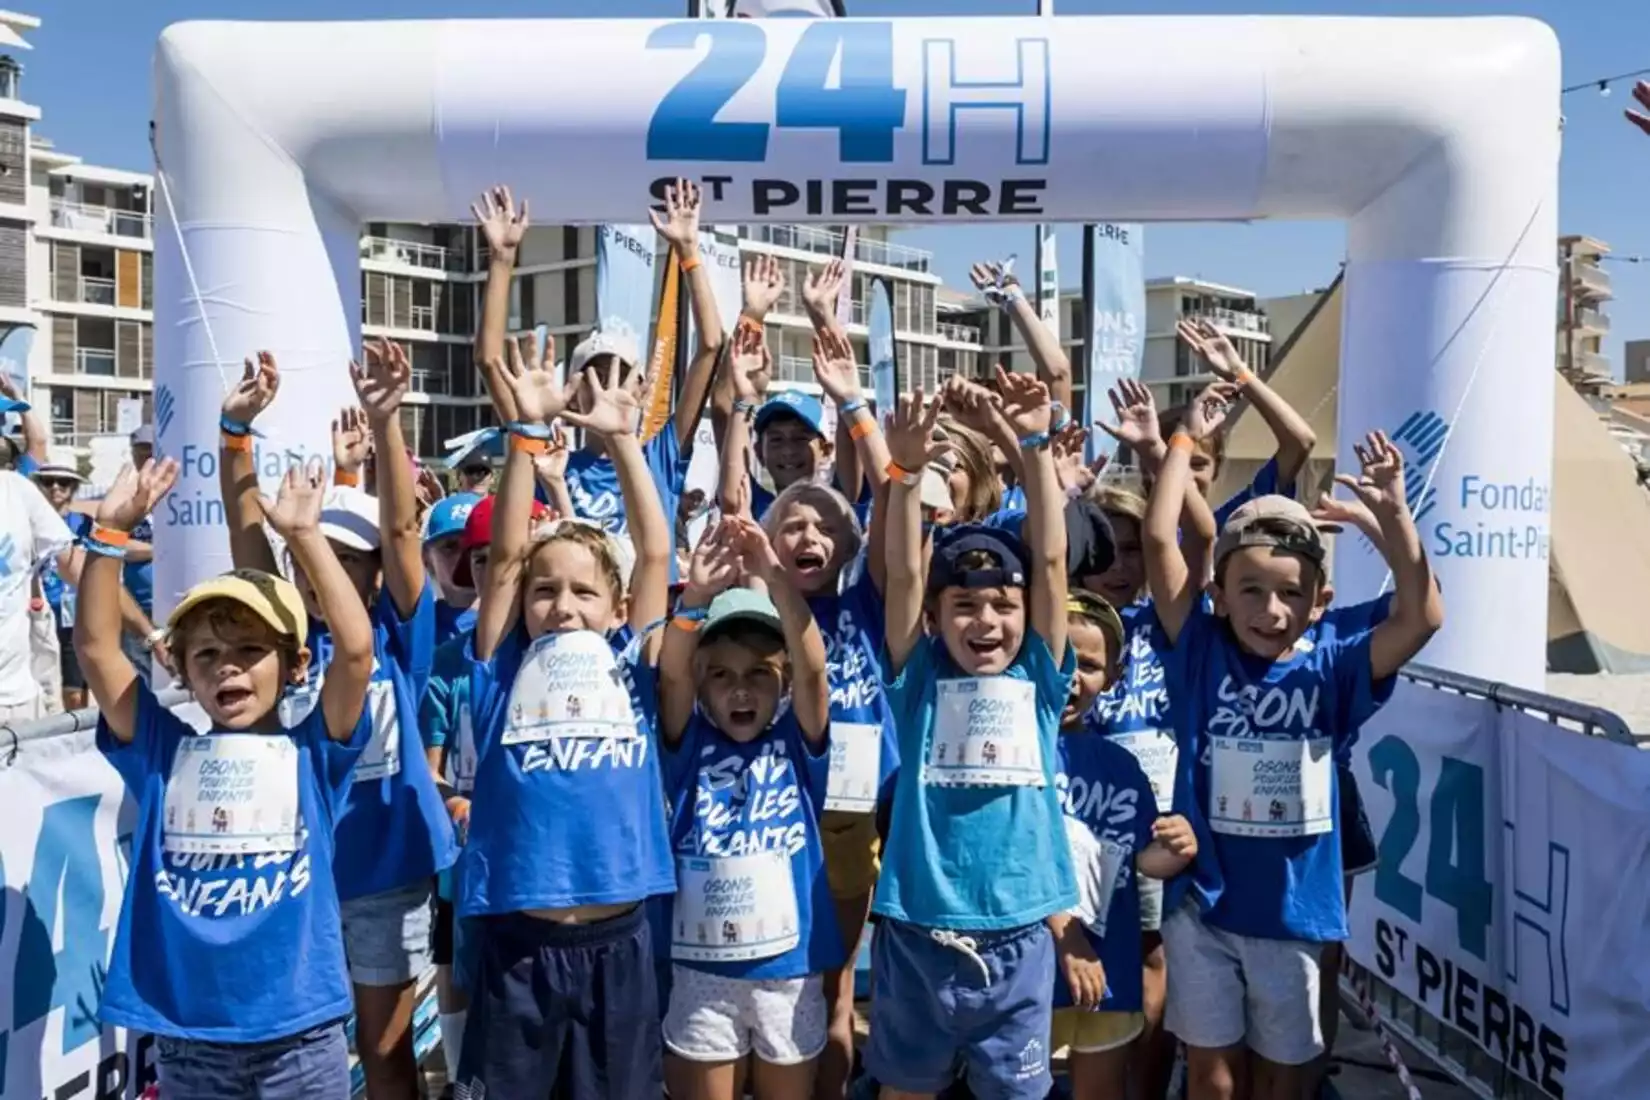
{"x": 313, "y": 1065}
{"x": 565, "y": 1010}
{"x": 936, "y": 1008}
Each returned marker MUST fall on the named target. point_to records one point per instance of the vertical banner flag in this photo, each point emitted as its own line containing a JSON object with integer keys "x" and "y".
{"x": 662, "y": 361}
{"x": 884, "y": 367}
{"x": 1117, "y": 318}
{"x": 624, "y": 278}
{"x": 1048, "y": 272}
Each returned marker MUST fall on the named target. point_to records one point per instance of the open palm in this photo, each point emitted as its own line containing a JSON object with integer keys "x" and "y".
{"x": 1136, "y": 413}
{"x": 824, "y": 284}
{"x": 679, "y": 224}
{"x": 502, "y": 223}
{"x": 351, "y": 439}
{"x": 1212, "y": 344}
{"x": 296, "y": 509}
{"x": 540, "y": 397}
{"x": 255, "y": 392}
{"x": 1380, "y": 485}
{"x": 135, "y": 493}
{"x": 1207, "y": 411}
{"x": 382, "y": 382}
{"x": 764, "y": 283}
{"x": 910, "y": 434}
{"x": 751, "y": 360}
{"x": 835, "y": 367}
{"x": 613, "y": 410}
{"x": 1024, "y": 402}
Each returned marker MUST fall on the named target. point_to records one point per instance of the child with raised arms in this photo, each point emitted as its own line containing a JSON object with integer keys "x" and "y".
{"x": 977, "y": 861}
{"x": 567, "y": 829}
{"x": 228, "y": 949}
{"x": 394, "y": 836}
{"x": 1259, "y": 718}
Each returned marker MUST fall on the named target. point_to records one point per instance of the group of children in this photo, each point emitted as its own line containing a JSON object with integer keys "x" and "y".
{"x": 1072, "y": 752}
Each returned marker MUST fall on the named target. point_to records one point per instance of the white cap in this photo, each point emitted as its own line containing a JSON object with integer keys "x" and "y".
{"x": 145, "y": 434}
{"x": 936, "y": 489}
{"x": 612, "y": 339}
{"x": 349, "y": 517}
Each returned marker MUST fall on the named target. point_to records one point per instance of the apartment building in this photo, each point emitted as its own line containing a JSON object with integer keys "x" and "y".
{"x": 1583, "y": 289}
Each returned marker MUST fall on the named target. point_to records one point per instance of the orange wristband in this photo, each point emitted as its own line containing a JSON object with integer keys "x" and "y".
{"x": 905, "y": 477}
{"x": 351, "y": 478}
{"x": 528, "y": 445}
{"x": 683, "y": 623}
{"x": 1180, "y": 441}
{"x": 236, "y": 442}
{"x": 862, "y": 427}
{"x": 1244, "y": 376}
{"x": 108, "y": 536}
{"x": 690, "y": 263}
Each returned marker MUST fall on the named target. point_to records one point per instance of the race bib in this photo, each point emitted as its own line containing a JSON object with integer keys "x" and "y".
{"x": 1157, "y": 754}
{"x": 461, "y": 759}
{"x": 65, "y": 608}
{"x": 1098, "y": 863}
{"x": 570, "y": 685}
{"x": 732, "y": 908}
{"x": 856, "y": 767}
{"x": 1270, "y": 787}
{"x": 382, "y": 756}
{"x": 985, "y": 735}
{"x": 232, "y": 794}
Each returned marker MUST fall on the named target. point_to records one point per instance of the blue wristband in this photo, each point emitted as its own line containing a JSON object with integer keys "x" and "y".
{"x": 233, "y": 427}
{"x": 849, "y": 408}
{"x": 529, "y": 431}
{"x": 93, "y": 546}
{"x": 743, "y": 406}
{"x": 691, "y": 614}
{"x": 1032, "y": 442}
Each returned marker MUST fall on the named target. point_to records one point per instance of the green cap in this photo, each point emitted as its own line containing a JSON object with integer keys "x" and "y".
{"x": 741, "y": 604}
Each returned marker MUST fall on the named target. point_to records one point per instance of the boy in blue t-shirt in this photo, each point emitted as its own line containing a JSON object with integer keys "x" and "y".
{"x": 228, "y": 947}
{"x": 455, "y": 610}
{"x": 976, "y": 860}
{"x": 753, "y": 930}
{"x": 1259, "y": 718}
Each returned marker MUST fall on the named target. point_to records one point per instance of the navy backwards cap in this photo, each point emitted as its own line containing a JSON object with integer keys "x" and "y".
{"x": 951, "y": 544}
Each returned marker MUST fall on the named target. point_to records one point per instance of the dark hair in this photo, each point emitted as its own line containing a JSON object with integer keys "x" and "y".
{"x": 1169, "y": 420}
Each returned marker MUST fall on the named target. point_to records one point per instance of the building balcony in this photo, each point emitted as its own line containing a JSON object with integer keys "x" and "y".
{"x": 828, "y": 243}
{"x": 97, "y": 292}
{"x": 107, "y": 221}
{"x": 793, "y": 368}
{"x": 411, "y": 254}
{"x": 100, "y": 361}
{"x": 1590, "y": 281}
{"x": 1591, "y": 321}
{"x": 1257, "y": 324}
{"x": 958, "y": 334}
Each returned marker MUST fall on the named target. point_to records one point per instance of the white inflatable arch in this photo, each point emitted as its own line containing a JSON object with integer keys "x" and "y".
{"x": 1437, "y": 141}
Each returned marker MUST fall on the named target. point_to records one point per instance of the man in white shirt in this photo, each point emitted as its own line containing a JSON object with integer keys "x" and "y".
{"x": 31, "y": 536}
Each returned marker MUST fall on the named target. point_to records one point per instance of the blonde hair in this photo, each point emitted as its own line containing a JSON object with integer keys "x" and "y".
{"x": 232, "y": 621}
{"x": 1117, "y": 501}
{"x": 597, "y": 541}
{"x": 830, "y": 503}
{"x": 973, "y": 451}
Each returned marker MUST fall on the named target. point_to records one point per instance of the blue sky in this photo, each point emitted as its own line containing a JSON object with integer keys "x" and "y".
{"x": 90, "y": 75}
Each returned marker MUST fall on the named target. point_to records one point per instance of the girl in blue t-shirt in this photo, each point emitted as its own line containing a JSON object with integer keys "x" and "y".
{"x": 744, "y": 710}
{"x": 227, "y": 948}
{"x": 567, "y": 834}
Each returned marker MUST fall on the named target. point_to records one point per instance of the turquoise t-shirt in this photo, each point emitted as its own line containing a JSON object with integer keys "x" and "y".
{"x": 965, "y": 852}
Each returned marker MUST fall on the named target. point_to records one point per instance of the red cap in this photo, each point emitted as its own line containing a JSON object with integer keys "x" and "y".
{"x": 478, "y": 532}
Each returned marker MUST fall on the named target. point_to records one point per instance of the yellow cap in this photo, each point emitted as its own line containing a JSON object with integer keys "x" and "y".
{"x": 273, "y": 599}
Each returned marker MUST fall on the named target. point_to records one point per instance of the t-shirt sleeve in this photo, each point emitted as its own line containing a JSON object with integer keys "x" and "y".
{"x": 905, "y": 690}
{"x": 667, "y": 461}
{"x": 1053, "y": 680}
{"x": 1356, "y": 694}
{"x": 335, "y": 760}
{"x": 411, "y": 640}
{"x": 437, "y": 712}
{"x": 491, "y": 680}
{"x": 677, "y": 765}
{"x": 27, "y": 465}
{"x": 156, "y": 733}
{"x": 1007, "y": 519}
{"x": 813, "y": 767}
{"x": 48, "y": 534}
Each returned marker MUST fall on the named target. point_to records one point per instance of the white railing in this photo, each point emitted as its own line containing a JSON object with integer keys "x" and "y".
{"x": 410, "y": 254}
{"x": 1592, "y": 320}
{"x": 961, "y": 334}
{"x": 1232, "y": 319}
{"x": 11, "y": 84}
{"x": 82, "y": 218}
{"x": 97, "y": 292}
{"x": 423, "y": 318}
{"x": 94, "y": 361}
{"x": 794, "y": 368}
{"x": 828, "y": 242}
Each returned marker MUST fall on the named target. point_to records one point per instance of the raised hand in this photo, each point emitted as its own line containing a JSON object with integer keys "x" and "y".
{"x": 764, "y": 283}
{"x": 1207, "y": 411}
{"x": 1380, "y": 486}
{"x": 991, "y": 276}
{"x": 823, "y": 287}
{"x": 8, "y": 388}
{"x": 836, "y": 367}
{"x": 1076, "y": 474}
{"x": 503, "y": 224}
{"x": 296, "y": 510}
{"x": 970, "y": 403}
{"x": 756, "y": 553}
{"x": 256, "y": 390}
{"x": 551, "y": 466}
{"x": 715, "y": 564}
{"x": 1346, "y": 513}
{"x": 1024, "y": 402}
{"x": 382, "y": 384}
{"x": 1641, "y": 119}
{"x": 539, "y": 397}
{"x": 135, "y": 493}
{"x": 679, "y": 224}
{"x": 1136, "y": 412}
{"x": 910, "y": 434}
{"x": 1212, "y": 344}
{"x": 612, "y": 411}
{"x": 750, "y": 364}
{"x": 428, "y": 486}
{"x": 351, "y": 439}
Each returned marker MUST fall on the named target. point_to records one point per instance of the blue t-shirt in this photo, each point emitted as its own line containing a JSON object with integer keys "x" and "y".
{"x": 852, "y": 625}
{"x": 229, "y": 948}
{"x": 766, "y": 795}
{"x": 974, "y": 858}
{"x": 563, "y": 821}
{"x": 1109, "y": 811}
{"x": 1134, "y": 710}
{"x": 1014, "y": 499}
{"x": 1266, "y": 482}
{"x": 452, "y": 621}
{"x": 26, "y": 464}
{"x": 593, "y": 485}
{"x": 1260, "y": 713}
{"x": 395, "y": 830}
{"x": 139, "y": 576}
{"x": 59, "y": 593}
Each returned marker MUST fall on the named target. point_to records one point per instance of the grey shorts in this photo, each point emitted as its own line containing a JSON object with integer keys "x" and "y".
{"x": 1226, "y": 990}
{"x": 388, "y": 937}
{"x": 313, "y": 1065}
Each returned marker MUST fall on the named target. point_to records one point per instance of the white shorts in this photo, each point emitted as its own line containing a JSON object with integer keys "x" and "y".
{"x": 1226, "y": 990}
{"x": 387, "y": 936}
{"x": 718, "y": 1019}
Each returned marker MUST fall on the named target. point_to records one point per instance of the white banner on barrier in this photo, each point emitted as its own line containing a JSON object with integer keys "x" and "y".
{"x": 63, "y": 860}
{"x": 1511, "y": 901}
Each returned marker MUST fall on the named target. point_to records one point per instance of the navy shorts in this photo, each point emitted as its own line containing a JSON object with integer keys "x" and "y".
{"x": 983, "y": 1005}
{"x": 563, "y": 1010}
{"x": 1358, "y": 853}
{"x": 313, "y": 1065}
{"x": 441, "y": 934}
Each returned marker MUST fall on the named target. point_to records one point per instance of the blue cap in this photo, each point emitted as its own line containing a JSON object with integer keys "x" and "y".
{"x": 12, "y": 405}
{"x": 742, "y": 604}
{"x": 804, "y": 406}
{"x": 951, "y": 543}
{"x": 448, "y": 515}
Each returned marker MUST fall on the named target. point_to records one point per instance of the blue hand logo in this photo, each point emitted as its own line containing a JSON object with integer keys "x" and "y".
{"x": 1420, "y": 439}
{"x": 166, "y": 406}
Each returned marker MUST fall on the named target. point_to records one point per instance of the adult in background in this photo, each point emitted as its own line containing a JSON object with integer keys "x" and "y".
{"x": 138, "y": 574}
{"x": 32, "y": 538}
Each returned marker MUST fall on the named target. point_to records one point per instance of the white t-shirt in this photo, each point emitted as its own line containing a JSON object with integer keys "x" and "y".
{"x": 31, "y": 535}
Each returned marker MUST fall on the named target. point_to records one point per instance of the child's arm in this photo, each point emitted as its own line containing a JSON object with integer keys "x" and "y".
{"x": 679, "y": 225}
{"x": 32, "y": 428}
{"x": 1053, "y": 365}
{"x": 838, "y": 376}
{"x": 1355, "y": 514}
{"x": 1172, "y": 584}
{"x": 976, "y": 407}
{"x": 1295, "y": 437}
{"x": 550, "y": 468}
{"x": 382, "y": 385}
{"x": 1417, "y": 604}
{"x": 237, "y": 472}
{"x": 810, "y": 690}
{"x": 819, "y": 300}
{"x": 614, "y": 414}
{"x": 1137, "y": 429}
{"x": 713, "y": 567}
{"x": 750, "y": 358}
{"x": 296, "y": 516}
{"x": 1027, "y": 410}
{"x": 502, "y": 225}
{"x": 911, "y": 447}
{"x": 1085, "y": 976}
{"x": 1173, "y": 847}
{"x": 763, "y": 284}
{"x": 110, "y": 676}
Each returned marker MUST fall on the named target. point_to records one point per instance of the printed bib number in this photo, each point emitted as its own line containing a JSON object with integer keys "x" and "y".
{"x": 1157, "y": 753}
{"x": 1098, "y": 862}
{"x": 569, "y": 686}
{"x": 985, "y": 735}
{"x": 1270, "y": 787}
{"x": 233, "y": 793}
{"x": 732, "y": 908}
{"x": 856, "y": 767}
{"x": 461, "y": 762}
{"x": 382, "y": 756}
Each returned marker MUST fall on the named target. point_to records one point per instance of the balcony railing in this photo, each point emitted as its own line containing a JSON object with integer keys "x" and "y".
{"x": 81, "y": 218}
{"x": 411, "y": 254}
{"x": 1233, "y": 319}
{"x": 828, "y": 242}
{"x": 423, "y": 318}
{"x": 1591, "y": 320}
{"x": 1590, "y": 281}
{"x": 97, "y": 292}
{"x": 95, "y": 361}
{"x": 11, "y": 84}
{"x": 961, "y": 334}
{"x": 794, "y": 368}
